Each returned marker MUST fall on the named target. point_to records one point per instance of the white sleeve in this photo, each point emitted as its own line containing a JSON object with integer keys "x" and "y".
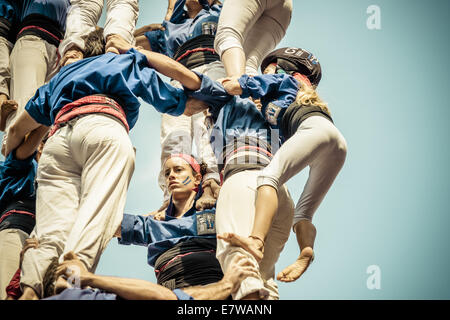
{"x": 82, "y": 18}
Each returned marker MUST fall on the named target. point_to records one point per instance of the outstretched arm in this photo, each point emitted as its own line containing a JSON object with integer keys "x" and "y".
{"x": 257, "y": 87}
{"x": 131, "y": 289}
{"x": 135, "y": 289}
{"x": 161, "y": 63}
{"x": 170, "y": 8}
{"x": 17, "y": 132}
{"x": 31, "y": 143}
{"x": 241, "y": 268}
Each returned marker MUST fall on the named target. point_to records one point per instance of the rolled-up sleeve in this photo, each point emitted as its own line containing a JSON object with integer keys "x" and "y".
{"x": 157, "y": 41}
{"x": 211, "y": 92}
{"x": 39, "y": 108}
{"x": 268, "y": 86}
{"x": 147, "y": 84}
{"x": 134, "y": 230}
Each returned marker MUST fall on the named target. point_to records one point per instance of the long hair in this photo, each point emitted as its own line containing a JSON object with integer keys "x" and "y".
{"x": 308, "y": 96}
{"x": 50, "y": 278}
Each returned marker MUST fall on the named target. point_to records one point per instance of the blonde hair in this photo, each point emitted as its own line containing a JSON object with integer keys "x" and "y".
{"x": 308, "y": 96}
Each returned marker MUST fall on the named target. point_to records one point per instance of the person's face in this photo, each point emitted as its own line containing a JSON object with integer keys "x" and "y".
{"x": 270, "y": 69}
{"x": 179, "y": 176}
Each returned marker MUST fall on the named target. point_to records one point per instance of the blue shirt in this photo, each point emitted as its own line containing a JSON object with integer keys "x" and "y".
{"x": 16, "y": 179}
{"x": 55, "y": 10}
{"x": 181, "y": 28}
{"x": 125, "y": 77}
{"x": 9, "y": 10}
{"x": 276, "y": 91}
{"x": 160, "y": 236}
{"x": 239, "y": 118}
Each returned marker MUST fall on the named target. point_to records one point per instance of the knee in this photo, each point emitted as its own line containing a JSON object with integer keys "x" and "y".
{"x": 226, "y": 38}
{"x": 336, "y": 143}
{"x": 340, "y": 149}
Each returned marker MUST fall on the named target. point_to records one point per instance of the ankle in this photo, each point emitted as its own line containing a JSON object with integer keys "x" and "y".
{"x": 307, "y": 252}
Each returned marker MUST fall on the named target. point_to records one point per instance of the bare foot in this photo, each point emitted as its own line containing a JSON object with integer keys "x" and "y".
{"x": 295, "y": 270}
{"x": 254, "y": 246}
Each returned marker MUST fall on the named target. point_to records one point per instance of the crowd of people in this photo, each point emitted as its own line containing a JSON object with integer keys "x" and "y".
{"x": 231, "y": 138}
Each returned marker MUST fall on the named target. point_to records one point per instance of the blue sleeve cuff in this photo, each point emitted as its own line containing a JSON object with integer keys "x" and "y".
{"x": 156, "y": 40}
{"x": 212, "y": 92}
{"x": 134, "y": 230}
{"x": 181, "y": 295}
{"x": 127, "y": 229}
{"x": 180, "y": 107}
{"x": 243, "y": 83}
{"x": 35, "y": 113}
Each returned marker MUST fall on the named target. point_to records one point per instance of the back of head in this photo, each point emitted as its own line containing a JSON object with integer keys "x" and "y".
{"x": 295, "y": 60}
{"x": 94, "y": 43}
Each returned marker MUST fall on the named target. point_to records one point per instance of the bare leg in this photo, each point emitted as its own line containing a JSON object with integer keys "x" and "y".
{"x": 266, "y": 207}
{"x": 306, "y": 235}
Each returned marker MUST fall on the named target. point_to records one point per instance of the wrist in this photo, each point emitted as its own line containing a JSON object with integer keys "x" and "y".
{"x": 87, "y": 279}
{"x": 227, "y": 285}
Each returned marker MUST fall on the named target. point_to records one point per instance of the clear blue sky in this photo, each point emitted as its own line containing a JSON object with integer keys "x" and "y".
{"x": 388, "y": 90}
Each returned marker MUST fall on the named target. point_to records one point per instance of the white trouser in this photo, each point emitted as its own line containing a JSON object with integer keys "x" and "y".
{"x": 11, "y": 243}
{"x": 178, "y": 134}
{"x": 235, "y": 212}
{"x": 33, "y": 62}
{"x": 83, "y": 178}
{"x": 83, "y": 16}
{"x": 5, "y": 75}
{"x": 255, "y": 26}
{"x": 317, "y": 144}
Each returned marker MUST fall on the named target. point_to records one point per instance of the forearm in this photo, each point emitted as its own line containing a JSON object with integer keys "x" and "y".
{"x": 130, "y": 289}
{"x": 31, "y": 143}
{"x": 170, "y": 7}
{"x": 18, "y": 130}
{"x": 216, "y": 291}
{"x": 172, "y": 69}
